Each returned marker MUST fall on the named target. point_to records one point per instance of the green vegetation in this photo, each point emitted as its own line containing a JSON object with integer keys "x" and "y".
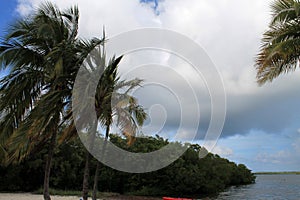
{"x": 280, "y": 51}
{"x": 188, "y": 176}
{"x": 74, "y": 193}
{"x": 60, "y": 192}
{"x": 43, "y": 55}
{"x": 128, "y": 113}
{"x": 125, "y": 109}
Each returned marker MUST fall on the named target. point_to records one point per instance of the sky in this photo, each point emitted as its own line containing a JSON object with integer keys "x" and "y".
{"x": 261, "y": 129}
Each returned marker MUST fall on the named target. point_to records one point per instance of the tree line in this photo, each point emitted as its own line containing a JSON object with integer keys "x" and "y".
{"x": 187, "y": 176}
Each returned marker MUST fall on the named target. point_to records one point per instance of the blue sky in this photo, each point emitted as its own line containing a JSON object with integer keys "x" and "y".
{"x": 7, "y": 13}
{"x": 262, "y": 126}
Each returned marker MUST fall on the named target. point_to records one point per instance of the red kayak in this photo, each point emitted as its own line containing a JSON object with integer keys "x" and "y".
{"x": 170, "y": 198}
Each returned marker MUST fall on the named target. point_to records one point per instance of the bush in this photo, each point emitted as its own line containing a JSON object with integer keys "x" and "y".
{"x": 188, "y": 176}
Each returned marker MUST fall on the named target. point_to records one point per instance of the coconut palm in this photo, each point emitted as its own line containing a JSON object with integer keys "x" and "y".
{"x": 43, "y": 55}
{"x": 111, "y": 103}
{"x": 112, "y": 99}
{"x": 280, "y": 50}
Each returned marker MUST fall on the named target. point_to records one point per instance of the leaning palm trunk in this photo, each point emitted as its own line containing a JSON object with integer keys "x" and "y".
{"x": 48, "y": 166}
{"x": 105, "y": 95}
{"x": 86, "y": 174}
{"x": 85, "y": 184}
{"x": 95, "y": 188}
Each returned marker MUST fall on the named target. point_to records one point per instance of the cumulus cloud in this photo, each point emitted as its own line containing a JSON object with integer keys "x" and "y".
{"x": 261, "y": 121}
{"x": 275, "y": 158}
{"x": 229, "y": 31}
{"x": 24, "y": 8}
{"x": 288, "y": 157}
{"x": 222, "y": 151}
{"x": 117, "y": 16}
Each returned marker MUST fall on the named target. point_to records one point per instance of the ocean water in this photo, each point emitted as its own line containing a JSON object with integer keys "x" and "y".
{"x": 267, "y": 187}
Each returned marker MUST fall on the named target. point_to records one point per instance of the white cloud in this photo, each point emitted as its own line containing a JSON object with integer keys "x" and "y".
{"x": 280, "y": 157}
{"x": 229, "y": 31}
{"x": 222, "y": 151}
{"x": 24, "y": 7}
{"x": 116, "y": 15}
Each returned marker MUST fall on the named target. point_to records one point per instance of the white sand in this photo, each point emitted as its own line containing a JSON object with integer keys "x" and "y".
{"x": 28, "y": 196}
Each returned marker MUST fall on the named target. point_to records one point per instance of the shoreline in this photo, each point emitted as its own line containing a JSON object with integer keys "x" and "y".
{"x": 274, "y": 173}
{"x": 31, "y": 196}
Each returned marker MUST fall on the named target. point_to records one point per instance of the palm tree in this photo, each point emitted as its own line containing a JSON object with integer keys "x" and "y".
{"x": 280, "y": 50}
{"x": 111, "y": 102}
{"x": 43, "y": 55}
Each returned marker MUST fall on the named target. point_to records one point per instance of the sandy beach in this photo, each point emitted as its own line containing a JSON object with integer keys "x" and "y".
{"x": 29, "y": 196}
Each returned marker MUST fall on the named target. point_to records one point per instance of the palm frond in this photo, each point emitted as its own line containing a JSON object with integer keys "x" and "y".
{"x": 280, "y": 49}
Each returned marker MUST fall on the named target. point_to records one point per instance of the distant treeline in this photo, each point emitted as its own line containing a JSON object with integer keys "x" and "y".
{"x": 272, "y": 173}
{"x": 188, "y": 176}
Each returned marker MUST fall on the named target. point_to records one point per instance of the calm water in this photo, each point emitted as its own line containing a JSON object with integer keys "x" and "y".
{"x": 267, "y": 187}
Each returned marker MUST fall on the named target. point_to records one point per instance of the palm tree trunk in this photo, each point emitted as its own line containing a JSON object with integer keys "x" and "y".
{"x": 86, "y": 174}
{"x": 48, "y": 166}
{"x": 85, "y": 184}
{"x": 95, "y": 188}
